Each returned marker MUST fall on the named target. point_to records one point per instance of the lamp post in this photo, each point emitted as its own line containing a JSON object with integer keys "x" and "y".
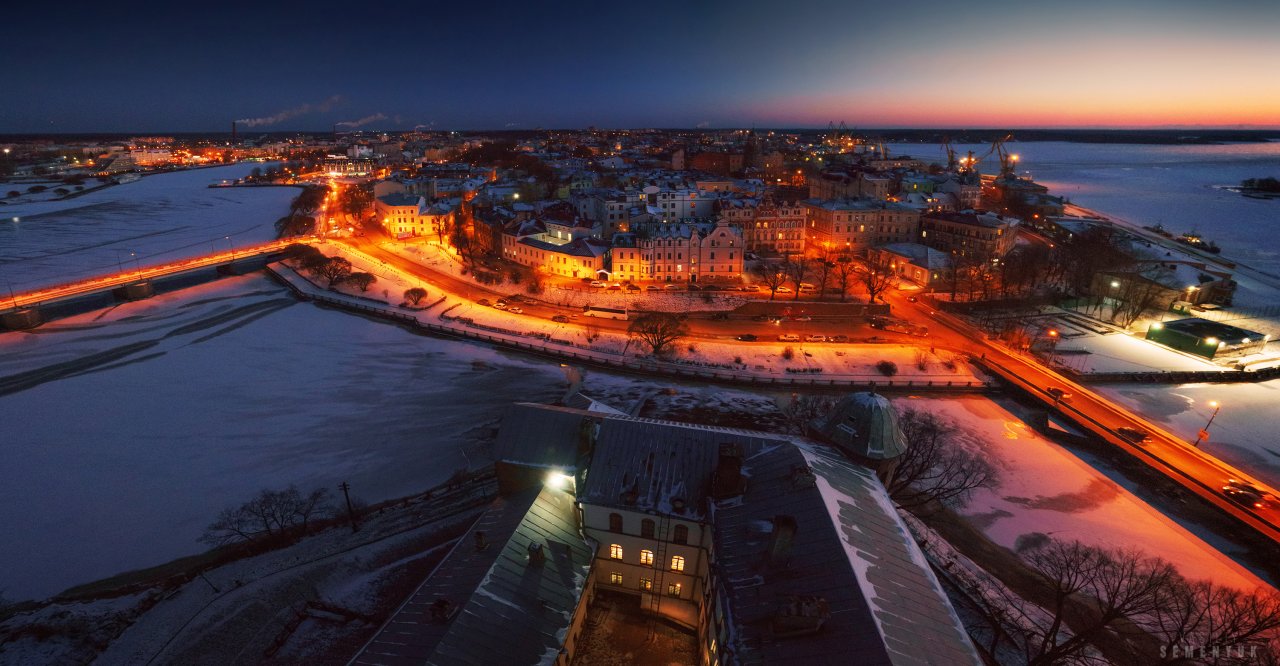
{"x": 1053, "y": 345}
{"x": 1204, "y": 433}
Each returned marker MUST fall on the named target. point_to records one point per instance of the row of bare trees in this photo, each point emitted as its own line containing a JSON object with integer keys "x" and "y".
{"x": 270, "y": 516}
{"x": 1106, "y": 606}
{"x": 827, "y": 271}
{"x": 333, "y": 269}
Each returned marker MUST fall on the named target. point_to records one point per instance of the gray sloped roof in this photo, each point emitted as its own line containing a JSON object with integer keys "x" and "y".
{"x": 661, "y": 461}
{"x": 851, "y": 549}
{"x": 541, "y": 435}
{"x": 519, "y": 613}
{"x": 864, "y": 424}
{"x": 914, "y": 617}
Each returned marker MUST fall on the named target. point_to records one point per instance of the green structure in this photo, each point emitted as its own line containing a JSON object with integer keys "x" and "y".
{"x": 1209, "y": 339}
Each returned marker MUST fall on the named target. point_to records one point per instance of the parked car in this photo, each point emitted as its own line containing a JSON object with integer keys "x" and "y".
{"x": 615, "y": 287}
{"x": 720, "y": 316}
{"x": 653, "y": 287}
{"x": 815, "y": 338}
{"x": 500, "y": 305}
{"x": 784, "y": 290}
{"x": 560, "y": 319}
{"x": 633, "y": 287}
{"x": 746, "y": 337}
{"x": 597, "y": 284}
{"x": 802, "y": 318}
{"x": 484, "y": 301}
{"x": 839, "y": 338}
{"x": 515, "y": 310}
{"x": 693, "y": 287}
{"x": 671, "y": 286}
{"x": 1058, "y": 394}
{"x": 1132, "y": 434}
{"x": 789, "y": 337}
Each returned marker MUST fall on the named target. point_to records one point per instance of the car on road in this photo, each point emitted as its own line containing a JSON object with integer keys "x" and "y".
{"x": 815, "y": 338}
{"x": 789, "y": 337}
{"x": 913, "y": 299}
{"x": 515, "y": 310}
{"x": 500, "y": 305}
{"x": 839, "y": 338}
{"x": 747, "y": 337}
{"x": 720, "y": 316}
{"x": 802, "y": 318}
{"x": 1244, "y": 494}
{"x": 784, "y": 290}
{"x": 653, "y": 287}
{"x": 1058, "y": 394}
{"x": 671, "y": 286}
{"x": 1132, "y": 434}
{"x": 560, "y": 319}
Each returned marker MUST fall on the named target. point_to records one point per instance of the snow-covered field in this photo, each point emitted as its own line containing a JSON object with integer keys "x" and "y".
{"x": 1046, "y": 489}
{"x": 1117, "y": 352}
{"x": 1244, "y": 432}
{"x": 161, "y": 217}
{"x": 134, "y": 426}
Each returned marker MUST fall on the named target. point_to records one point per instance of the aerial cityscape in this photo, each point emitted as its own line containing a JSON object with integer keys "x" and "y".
{"x": 668, "y": 334}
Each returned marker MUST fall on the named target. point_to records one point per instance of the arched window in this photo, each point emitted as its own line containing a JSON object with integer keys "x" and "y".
{"x": 646, "y": 528}
{"x": 681, "y": 534}
{"x": 615, "y": 522}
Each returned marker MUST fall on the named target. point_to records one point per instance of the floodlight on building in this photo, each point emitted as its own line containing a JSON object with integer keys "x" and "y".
{"x": 1211, "y": 341}
{"x": 557, "y": 480}
{"x": 1157, "y": 326}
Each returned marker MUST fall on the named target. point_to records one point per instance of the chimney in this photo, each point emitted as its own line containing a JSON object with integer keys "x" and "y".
{"x": 726, "y": 480}
{"x": 800, "y": 615}
{"x": 233, "y": 132}
{"x": 536, "y": 555}
{"x": 481, "y": 542}
{"x": 781, "y": 540}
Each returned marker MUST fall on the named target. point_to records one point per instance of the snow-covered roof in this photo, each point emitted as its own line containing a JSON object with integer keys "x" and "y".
{"x": 864, "y": 424}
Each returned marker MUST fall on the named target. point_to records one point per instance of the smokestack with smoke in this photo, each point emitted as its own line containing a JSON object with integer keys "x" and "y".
{"x": 352, "y": 124}
{"x": 291, "y": 113}
{"x": 233, "y": 132}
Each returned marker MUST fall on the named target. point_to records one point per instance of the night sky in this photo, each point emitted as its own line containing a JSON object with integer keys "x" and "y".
{"x": 196, "y": 66}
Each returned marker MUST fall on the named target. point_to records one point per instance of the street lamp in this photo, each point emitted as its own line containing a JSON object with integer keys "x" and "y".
{"x": 1053, "y": 345}
{"x": 1204, "y": 432}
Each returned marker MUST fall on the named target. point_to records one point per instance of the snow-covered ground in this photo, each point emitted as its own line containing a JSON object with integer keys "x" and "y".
{"x": 162, "y": 217}
{"x": 1244, "y": 432}
{"x": 134, "y": 426}
{"x": 1117, "y": 352}
{"x": 1045, "y": 489}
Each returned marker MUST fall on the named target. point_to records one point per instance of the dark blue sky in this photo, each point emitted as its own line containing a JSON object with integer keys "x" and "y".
{"x": 187, "y": 66}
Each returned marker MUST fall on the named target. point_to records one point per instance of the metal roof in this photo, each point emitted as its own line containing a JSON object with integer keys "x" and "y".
{"x": 521, "y": 611}
{"x": 541, "y": 435}
{"x": 509, "y": 612}
{"x": 850, "y": 548}
{"x": 864, "y": 424}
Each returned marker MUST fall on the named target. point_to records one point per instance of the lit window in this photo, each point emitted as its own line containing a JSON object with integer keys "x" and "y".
{"x": 615, "y": 551}
{"x": 677, "y": 562}
{"x": 646, "y": 584}
{"x": 646, "y": 557}
{"x": 674, "y": 589}
{"x": 615, "y": 578}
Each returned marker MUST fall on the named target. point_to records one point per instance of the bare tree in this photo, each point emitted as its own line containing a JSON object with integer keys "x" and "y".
{"x": 875, "y": 275}
{"x": 1215, "y": 625}
{"x": 771, "y": 275}
{"x": 272, "y": 514}
{"x": 798, "y": 269}
{"x": 1138, "y": 293}
{"x": 845, "y": 271}
{"x": 415, "y": 295}
{"x": 335, "y": 270}
{"x": 934, "y": 468}
{"x": 658, "y": 329}
{"x": 362, "y": 280}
